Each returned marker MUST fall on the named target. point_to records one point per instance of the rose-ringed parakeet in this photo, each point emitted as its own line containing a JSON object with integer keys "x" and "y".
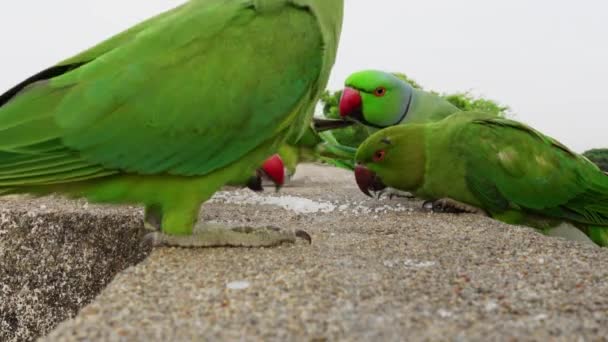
{"x": 167, "y": 112}
{"x": 379, "y": 99}
{"x": 501, "y": 167}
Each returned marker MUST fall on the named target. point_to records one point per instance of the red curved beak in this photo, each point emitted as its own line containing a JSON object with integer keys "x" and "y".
{"x": 350, "y": 102}
{"x": 275, "y": 170}
{"x": 367, "y": 180}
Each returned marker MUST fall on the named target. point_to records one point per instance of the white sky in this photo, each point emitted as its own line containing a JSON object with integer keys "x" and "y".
{"x": 547, "y": 59}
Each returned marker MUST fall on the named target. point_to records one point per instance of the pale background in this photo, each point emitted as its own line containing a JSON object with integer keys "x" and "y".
{"x": 546, "y": 59}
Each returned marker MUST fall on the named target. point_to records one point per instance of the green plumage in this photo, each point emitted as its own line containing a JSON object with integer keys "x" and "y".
{"x": 169, "y": 111}
{"x": 510, "y": 170}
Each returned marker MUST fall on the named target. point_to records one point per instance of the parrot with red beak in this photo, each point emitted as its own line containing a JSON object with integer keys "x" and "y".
{"x": 379, "y": 99}
{"x": 478, "y": 163}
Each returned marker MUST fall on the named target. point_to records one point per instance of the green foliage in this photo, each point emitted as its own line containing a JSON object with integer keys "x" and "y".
{"x": 354, "y": 135}
{"x": 467, "y": 102}
{"x": 464, "y": 100}
{"x": 411, "y": 82}
{"x": 350, "y": 136}
{"x": 330, "y": 101}
{"x": 599, "y": 156}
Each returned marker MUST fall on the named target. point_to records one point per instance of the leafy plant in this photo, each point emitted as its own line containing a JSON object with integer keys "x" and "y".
{"x": 599, "y": 156}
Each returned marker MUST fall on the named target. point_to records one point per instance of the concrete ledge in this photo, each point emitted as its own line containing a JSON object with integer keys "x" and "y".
{"x": 377, "y": 270}
{"x": 56, "y": 256}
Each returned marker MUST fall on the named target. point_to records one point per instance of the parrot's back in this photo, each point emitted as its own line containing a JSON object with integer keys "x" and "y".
{"x": 510, "y": 166}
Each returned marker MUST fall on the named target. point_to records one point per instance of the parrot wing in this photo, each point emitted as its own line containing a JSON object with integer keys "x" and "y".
{"x": 185, "y": 93}
{"x": 510, "y": 164}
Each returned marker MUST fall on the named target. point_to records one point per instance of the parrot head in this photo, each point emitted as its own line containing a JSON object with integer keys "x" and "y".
{"x": 392, "y": 157}
{"x": 375, "y": 98}
{"x": 273, "y": 170}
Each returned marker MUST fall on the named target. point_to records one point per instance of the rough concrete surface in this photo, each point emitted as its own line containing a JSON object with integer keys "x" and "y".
{"x": 56, "y": 256}
{"x": 376, "y": 270}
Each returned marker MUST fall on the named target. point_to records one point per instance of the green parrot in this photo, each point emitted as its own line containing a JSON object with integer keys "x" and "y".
{"x": 379, "y": 99}
{"x": 477, "y": 162}
{"x": 169, "y": 111}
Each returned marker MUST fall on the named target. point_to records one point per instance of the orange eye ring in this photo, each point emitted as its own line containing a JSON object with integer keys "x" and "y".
{"x": 379, "y": 155}
{"x": 380, "y": 91}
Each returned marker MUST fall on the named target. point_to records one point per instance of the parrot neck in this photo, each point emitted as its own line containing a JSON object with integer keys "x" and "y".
{"x": 408, "y": 106}
{"x": 404, "y": 115}
{"x": 427, "y": 107}
{"x": 416, "y": 156}
{"x": 411, "y": 161}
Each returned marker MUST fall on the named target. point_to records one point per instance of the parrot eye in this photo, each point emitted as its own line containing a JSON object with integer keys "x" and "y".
{"x": 379, "y": 155}
{"x": 380, "y": 91}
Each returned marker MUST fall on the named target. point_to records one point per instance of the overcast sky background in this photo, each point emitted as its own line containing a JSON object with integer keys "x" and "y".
{"x": 547, "y": 60}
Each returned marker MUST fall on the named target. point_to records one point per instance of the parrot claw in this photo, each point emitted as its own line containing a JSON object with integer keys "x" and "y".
{"x": 150, "y": 227}
{"x": 427, "y": 205}
{"x": 213, "y": 235}
{"x": 448, "y": 205}
{"x": 394, "y": 193}
{"x": 404, "y": 195}
{"x": 304, "y": 235}
{"x": 153, "y": 239}
{"x": 152, "y": 219}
